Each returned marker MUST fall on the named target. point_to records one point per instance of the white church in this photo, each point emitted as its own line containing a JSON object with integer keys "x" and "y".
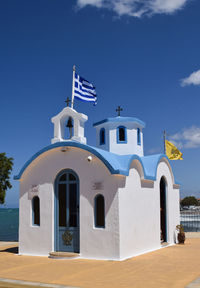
{"x": 103, "y": 202}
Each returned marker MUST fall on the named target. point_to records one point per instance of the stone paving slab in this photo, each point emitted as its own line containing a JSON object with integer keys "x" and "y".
{"x": 194, "y": 284}
{"x": 190, "y": 235}
{"x": 170, "y": 267}
{"x": 9, "y": 283}
{"x": 3, "y": 243}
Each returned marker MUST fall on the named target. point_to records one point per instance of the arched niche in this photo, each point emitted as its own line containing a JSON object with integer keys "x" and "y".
{"x": 60, "y": 121}
{"x": 163, "y": 209}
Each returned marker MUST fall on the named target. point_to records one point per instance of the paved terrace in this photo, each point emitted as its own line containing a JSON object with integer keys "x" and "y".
{"x": 174, "y": 266}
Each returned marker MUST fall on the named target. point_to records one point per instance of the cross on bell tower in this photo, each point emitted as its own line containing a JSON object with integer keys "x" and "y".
{"x": 68, "y": 101}
{"x": 118, "y": 110}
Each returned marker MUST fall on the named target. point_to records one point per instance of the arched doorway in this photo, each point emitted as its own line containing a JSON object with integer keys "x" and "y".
{"x": 67, "y": 212}
{"x": 163, "y": 210}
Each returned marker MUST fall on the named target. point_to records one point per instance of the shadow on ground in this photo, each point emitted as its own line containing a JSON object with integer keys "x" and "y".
{"x": 13, "y": 250}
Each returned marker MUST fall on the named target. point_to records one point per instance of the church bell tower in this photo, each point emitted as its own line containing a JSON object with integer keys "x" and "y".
{"x": 69, "y": 126}
{"x": 120, "y": 135}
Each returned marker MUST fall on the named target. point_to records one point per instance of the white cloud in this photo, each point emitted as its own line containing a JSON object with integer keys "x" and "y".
{"x": 96, "y": 3}
{"x": 167, "y": 6}
{"x": 193, "y": 79}
{"x": 136, "y": 8}
{"x": 187, "y": 138}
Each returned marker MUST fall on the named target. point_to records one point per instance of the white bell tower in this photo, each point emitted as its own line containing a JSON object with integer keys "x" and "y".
{"x": 69, "y": 118}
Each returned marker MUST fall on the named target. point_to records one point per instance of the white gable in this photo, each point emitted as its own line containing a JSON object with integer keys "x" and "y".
{"x": 60, "y": 120}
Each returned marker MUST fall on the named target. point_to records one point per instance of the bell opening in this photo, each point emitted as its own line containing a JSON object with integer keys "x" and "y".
{"x": 69, "y": 128}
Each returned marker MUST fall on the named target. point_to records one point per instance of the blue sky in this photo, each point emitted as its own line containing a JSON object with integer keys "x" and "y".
{"x": 142, "y": 55}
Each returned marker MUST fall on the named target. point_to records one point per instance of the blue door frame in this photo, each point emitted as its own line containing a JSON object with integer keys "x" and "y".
{"x": 67, "y": 212}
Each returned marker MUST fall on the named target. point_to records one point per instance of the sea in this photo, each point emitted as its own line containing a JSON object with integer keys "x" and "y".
{"x": 9, "y": 224}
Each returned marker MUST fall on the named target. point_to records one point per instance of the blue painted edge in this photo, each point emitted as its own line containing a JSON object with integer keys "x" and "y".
{"x": 138, "y": 136}
{"x": 150, "y": 165}
{"x": 100, "y": 135}
{"x": 125, "y": 135}
{"x": 121, "y": 120}
{"x": 56, "y": 216}
{"x": 72, "y": 144}
{"x": 116, "y": 164}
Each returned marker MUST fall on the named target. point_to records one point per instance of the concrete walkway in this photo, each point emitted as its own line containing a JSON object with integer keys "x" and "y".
{"x": 174, "y": 266}
{"x": 9, "y": 283}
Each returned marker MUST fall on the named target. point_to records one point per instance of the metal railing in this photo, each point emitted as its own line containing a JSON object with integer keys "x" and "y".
{"x": 190, "y": 219}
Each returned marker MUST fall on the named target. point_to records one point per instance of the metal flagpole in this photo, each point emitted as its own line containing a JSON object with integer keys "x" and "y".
{"x": 164, "y": 136}
{"x": 74, "y": 71}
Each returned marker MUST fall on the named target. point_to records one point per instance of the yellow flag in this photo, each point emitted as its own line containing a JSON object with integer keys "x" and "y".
{"x": 172, "y": 152}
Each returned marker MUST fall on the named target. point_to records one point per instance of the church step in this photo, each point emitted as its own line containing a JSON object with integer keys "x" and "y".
{"x": 163, "y": 244}
{"x": 63, "y": 255}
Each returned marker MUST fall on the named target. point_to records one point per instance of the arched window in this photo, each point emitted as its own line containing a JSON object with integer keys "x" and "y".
{"x": 99, "y": 211}
{"x": 36, "y": 210}
{"x": 68, "y": 199}
{"x": 121, "y": 134}
{"x": 138, "y": 136}
{"x": 102, "y": 136}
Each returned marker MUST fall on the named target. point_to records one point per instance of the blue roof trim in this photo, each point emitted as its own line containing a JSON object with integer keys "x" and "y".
{"x": 111, "y": 160}
{"x": 121, "y": 120}
{"x": 116, "y": 164}
{"x": 150, "y": 164}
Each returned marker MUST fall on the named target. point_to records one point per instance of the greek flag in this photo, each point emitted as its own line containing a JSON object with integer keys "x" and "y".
{"x": 84, "y": 90}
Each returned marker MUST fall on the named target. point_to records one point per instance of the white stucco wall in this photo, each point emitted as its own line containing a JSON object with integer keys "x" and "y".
{"x": 131, "y": 147}
{"x": 139, "y": 205}
{"x": 94, "y": 242}
{"x": 172, "y": 200}
{"x": 132, "y": 206}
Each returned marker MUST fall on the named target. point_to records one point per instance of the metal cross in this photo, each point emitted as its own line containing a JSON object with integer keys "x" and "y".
{"x": 119, "y": 109}
{"x": 68, "y": 101}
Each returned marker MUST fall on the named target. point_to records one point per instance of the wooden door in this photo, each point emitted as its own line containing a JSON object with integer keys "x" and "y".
{"x": 67, "y": 212}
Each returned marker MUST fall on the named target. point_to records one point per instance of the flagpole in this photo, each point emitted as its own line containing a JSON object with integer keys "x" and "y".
{"x": 72, "y": 101}
{"x": 164, "y": 137}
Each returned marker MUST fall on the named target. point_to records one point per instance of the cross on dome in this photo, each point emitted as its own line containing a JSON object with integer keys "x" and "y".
{"x": 119, "y": 109}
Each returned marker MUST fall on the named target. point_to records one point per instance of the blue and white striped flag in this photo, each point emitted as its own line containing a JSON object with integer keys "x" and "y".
{"x": 84, "y": 90}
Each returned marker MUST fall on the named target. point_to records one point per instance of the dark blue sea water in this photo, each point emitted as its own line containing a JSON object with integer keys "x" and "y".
{"x": 9, "y": 223}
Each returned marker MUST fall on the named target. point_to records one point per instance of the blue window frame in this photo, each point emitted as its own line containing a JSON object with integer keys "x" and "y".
{"x": 138, "y": 136}
{"x": 121, "y": 134}
{"x": 102, "y": 136}
{"x": 36, "y": 211}
{"x": 99, "y": 211}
